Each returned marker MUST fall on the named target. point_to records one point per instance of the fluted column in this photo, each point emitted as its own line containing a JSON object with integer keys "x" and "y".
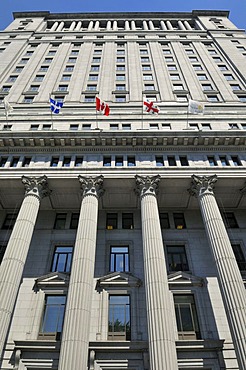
{"x": 163, "y": 26}
{"x": 229, "y": 277}
{"x": 60, "y": 27}
{"x": 78, "y": 27}
{"x": 127, "y": 26}
{"x": 54, "y": 27}
{"x": 90, "y": 26}
{"x": 75, "y": 336}
{"x": 72, "y": 26}
{"x": 162, "y": 347}
{"x": 181, "y": 26}
{"x": 13, "y": 263}
{"x": 187, "y": 25}
{"x": 145, "y": 25}
{"x": 169, "y": 25}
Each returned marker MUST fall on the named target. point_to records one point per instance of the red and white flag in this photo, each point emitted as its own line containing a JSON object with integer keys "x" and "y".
{"x": 150, "y": 107}
{"x": 102, "y": 107}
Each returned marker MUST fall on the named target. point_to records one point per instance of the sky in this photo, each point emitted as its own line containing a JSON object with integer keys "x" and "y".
{"x": 237, "y": 8}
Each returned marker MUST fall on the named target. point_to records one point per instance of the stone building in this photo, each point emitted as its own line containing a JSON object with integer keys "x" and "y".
{"x": 122, "y": 240}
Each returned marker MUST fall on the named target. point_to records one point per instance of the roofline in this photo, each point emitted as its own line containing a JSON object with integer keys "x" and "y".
{"x": 108, "y": 15}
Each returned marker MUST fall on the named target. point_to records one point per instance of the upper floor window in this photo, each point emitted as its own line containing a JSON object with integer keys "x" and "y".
{"x": 74, "y": 221}
{"x": 72, "y": 60}
{"x": 179, "y": 221}
{"x": 177, "y": 260}
{"x": 53, "y": 316}
{"x": 212, "y": 161}
{"x": 54, "y": 162}
{"x": 62, "y": 259}
{"x": 236, "y": 161}
{"x": 186, "y": 317}
{"x": 112, "y": 221}
{"x": 131, "y": 161}
{"x": 119, "y": 258}
{"x": 230, "y": 220}
{"x": 240, "y": 258}
{"x": 60, "y": 221}
{"x": 9, "y": 221}
{"x": 164, "y": 220}
{"x": 127, "y": 221}
{"x": 119, "y": 324}
{"x": 159, "y": 160}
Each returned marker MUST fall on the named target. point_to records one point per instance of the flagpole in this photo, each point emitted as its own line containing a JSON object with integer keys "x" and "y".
{"x": 51, "y": 116}
{"x": 142, "y": 126}
{"x": 96, "y": 117}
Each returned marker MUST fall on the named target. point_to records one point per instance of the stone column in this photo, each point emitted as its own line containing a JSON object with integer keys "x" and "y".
{"x": 13, "y": 263}
{"x": 229, "y": 277}
{"x": 75, "y": 336}
{"x": 162, "y": 347}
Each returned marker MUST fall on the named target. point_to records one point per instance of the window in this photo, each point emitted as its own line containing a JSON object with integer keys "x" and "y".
{"x": 120, "y": 52}
{"x": 159, "y": 161}
{"x": 229, "y": 77}
{"x": 164, "y": 221}
{"x": 2, "y": 251}
{"x": 154, "y": 126}
{"x": 166, "y": 51}
{"x": 5, "y": 88}
{"x": 89, "y": 99}
{"x": 212, "y": 161}
{"x": 9, "y": 221}
{"x": 93, "y": 77}
{"x": 131, "y": 161}
{"x": 60, "y": 221}
{"x": 147, "y": 77}
{"x": 34, "y": 88}
{"x": 39, "y": 78}
{"x": 86, "y": 126}
{"x": 53, "y": 317}
{"x": 3, "y": 161}
{"x": 18, "y": 69}
{"x": 224, "y": 160}
{"x": 74, "y": 52}
{"x": 106, "y": 161}
{"x": 74, "y": 127}
{"x": 28, "y": 99}
{"x": 62, "y": 259}
{"x": 186, "y": 317}
{"x": 169, "y": 59}
{"x": 54, "y": 162}
{"x": 120, "y": 98}
{"x": 26, "y": 161}
{"x": 236, "y": 87}
{"x": 48, "y": 60}
{"x": 178, "y": 87}
{"x": 230, "y": 220}
{"x": 171, "y": 161}
{"x": 240, "y": 258}
{"x": 181, "y": 98}
{"x": 183, "y": 160}
{"x": 207, "y": 87}
{"x": 236, "y": 161}
{"x": 12, "y": 78}
{"x": 126, "y": 126}
{"x": 197, "y": 67}
{"x": 66, "y": 77}
{"x": 217, "y": 59}
{"x": 52, "y": 52}
{"x": 7, "y": 127}
{"x": 166, "y": 126}
{"x": 149, "y": 87}
{"x": 62, "y": 88}
{"x": 212, "y": 52}
{"x": 223, "y": 68}
{"x": 24, "y": 61}
{"x": 127, "y": 221}
{"x": 171, "y": 68}
{"x": 96, "y": 60}
{"x": 179, "y": 221}
{"x": 78, "y": 161}
{"x": 233, "y": 126}
{"x": 174, "y": 77}
{"x": 114, "y": 126}
{"x": 143, "y": 51}
{"x": 144, "y": 59}
{"x": 66, "y": 162}
{"x": 119, "y": 327}
{"x": 119, "y": 161}
{"x": 120, "y": 59}
{"x": 189, "y": 51}
{"x": 242, "y": 98}
{"x": 193, "y": 59}
{"x": 120, "y": 87}
{"x": 146, "y": 68}
{"x": 120, "y": 77}
{"x": 120, "y": 68}
{"x": 112, "y": 221}
{"x": 119, "y": 258}
{"x": 69, "y": 69}
{"x": 212, "y": 98}
{"x": 176, "y": 256}
{"x": 206, "y": 126}
{"x": 14, "y": 162}
{"x": 72, "y": 60}
{"x": 202, "y": 77}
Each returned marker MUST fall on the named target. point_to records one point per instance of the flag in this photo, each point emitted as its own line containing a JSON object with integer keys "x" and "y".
{"x": 55, "y": 106}
{"x": 195, "y": 107}
{"x": 150, "y": 107}
{"x": 102, "y": 107}
{"x": 7, "y": 106}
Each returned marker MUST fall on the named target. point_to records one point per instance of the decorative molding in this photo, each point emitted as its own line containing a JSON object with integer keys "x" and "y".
{"x": 202, "y": 185}
{"x": 36, "y": 186}
{"x": 147, "y": 185}
{"x": 181, "y": 278}
{"x": 119, "y": 279}
{"x": 91, "y": 185}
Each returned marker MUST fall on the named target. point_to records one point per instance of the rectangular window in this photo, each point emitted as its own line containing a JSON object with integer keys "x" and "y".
{"x": 78, "y": 161}
{"x": 114, "y": 126}
{"x": 126, "y": 126}
{"x": 106, "y": 161}
{"x": 197, "y": 67}
{"x": 240, "y": 258}
{"x": 91, "y": 87}
{"x": 62, "y": 88}
{"x": 146, "y": 68}
{"x": 148, "y": 77}
{"x": 119, "y": 326}
{"x": 9, "y": 221}
{"x": 28, "y": 99}
{"x": 229, "y": 77}
{"x": 94, "y": 68}
{"x": 120, "y": 87}
{"x": 60, "y": 221}
{"x": 7, "y": 127}
{"x": 89, "y": 99}
{"x": 159, "y": 161}
{"x": 93, "y": 77}
{"x": 120, "y": 77}
{"x": 119, "y": 258}
{"x": 54, "y": 162}
{"x": 14, "y": 162}
{"x": 69, "y": 69}
{"x": 171, "y": 160}
{"x": 120, "y": 98}
{"x": 177, "y": 260}
{"x": 74, "y": 221}
{"x": 236, "y": 87}
{"x": 212, "y": 98}
{"x": 66, "y": 77}
{"x": 26, "y": 162}
{"x": 223, "y": 68}
{"x": 112, "y": 221}
{"x": 131, "y": 161}
{"x": 206, "y": 126}
{"x": 72, "y": 60}
{"x": 230, "y": 220}
{"x": 236, "y": 161}
{"x": 178, "y": 87}
{"x": 183, "y": 160}
{"x": 212, "y": 161}
{"x": 202, "y": 77}
{"x": 86, "y": 126}
{"x": 62, "y": 259}
{"x": 74, "y": 127}
{"x": 172, "y": 68}
{"x": 149, "y": 87}
{"x": 66, "y": 162}
{"x": 120, "y": 59}
{"x": 118, "y": 161}
{"x": 120, "y": 68}
{"x": 179, "y": 221}
{"x": 224, "y": 160}
{"x": 164, "y": 220}
{"x": 127, "y": 221}
{"x": 186, "y": 317}
{"x": 47, "y": 126}
{"x": 3, "y": 161}
{"x": 39, "y": 78}
{"x": 53, "y": 315}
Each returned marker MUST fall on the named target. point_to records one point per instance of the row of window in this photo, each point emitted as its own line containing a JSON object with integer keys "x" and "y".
{"x": 121, "y": 161}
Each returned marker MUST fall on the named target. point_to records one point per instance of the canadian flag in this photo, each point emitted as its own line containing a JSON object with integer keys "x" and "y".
{"x": 150, "y": 107}
{"x": 102, "y": 107}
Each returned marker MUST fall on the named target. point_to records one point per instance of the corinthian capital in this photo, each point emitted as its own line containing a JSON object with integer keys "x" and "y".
{"x": 147, "y": 185}
{"x": 202, "y": 184}
{"x": 92, "y": 185}
{"x": 37, "y": 186}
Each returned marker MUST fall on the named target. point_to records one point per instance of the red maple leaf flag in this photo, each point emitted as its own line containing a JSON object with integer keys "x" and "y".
{"x": 150, "y": 107}
{"x": 102, "y": 107}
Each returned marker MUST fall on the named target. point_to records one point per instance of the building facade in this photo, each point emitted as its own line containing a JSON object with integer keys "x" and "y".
{"x": 123, "y": 238}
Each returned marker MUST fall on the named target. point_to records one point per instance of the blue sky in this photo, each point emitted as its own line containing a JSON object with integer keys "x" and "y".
{"x": 237, "y": 8}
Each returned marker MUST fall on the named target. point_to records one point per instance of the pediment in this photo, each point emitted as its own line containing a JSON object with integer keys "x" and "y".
{"x": 182, "y": 278}
{"x": 53, "y": 279}
{"x": 119, "y": 279}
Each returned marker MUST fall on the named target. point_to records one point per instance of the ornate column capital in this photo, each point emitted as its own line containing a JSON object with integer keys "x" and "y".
{"x": 36, "y": 186}
{"x": 92, "y": 185}
{"x": 147, "y": 185}
{"x": 202, "y": 185}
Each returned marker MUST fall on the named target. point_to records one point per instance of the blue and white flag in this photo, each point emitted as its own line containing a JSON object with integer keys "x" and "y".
{"x": 55, "y": 106}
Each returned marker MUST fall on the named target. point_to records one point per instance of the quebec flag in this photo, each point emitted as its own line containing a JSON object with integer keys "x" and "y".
{"x": 55, "y": 106}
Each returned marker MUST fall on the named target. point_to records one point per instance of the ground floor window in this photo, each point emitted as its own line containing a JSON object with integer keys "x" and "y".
{"x": 186, "y": 317}
{"x": 119, "y": 326}
{"x": 53, "y": 316}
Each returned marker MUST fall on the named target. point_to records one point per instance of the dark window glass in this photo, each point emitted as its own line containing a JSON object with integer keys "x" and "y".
{"x": 78, "y": 161}
{"x": 230, "y": 220}
{"x": 2, "y": 251}
{"x": 240, "y": 258}
{"x": 60, "y": 221}
{"x": 3, "y": 161}
{"x": 107, "y": 161}
{"x": 127, "y": 221}
{"x": 14, "y": 162}
{"x": 119, "y": 258}
{"x": 171, "y": 161}
{"x": 62, "y": 259}
{"x": 66, "y": 162}
{"x": 212, "y": 161}
{"x": 179, "y": 221}
{"x": 53, "y": 314}
{"x": 186, "y": 317}
{"x": 159, "y": 161}
{"x": 131, "y": 161}
{"x": 177, "y": 260}
{"x": 74, "y": 221}
{"x": 164, "y": 220}
{"x": 54, "y": 162}
{"x": 118, "y": 161}
{"x": 112, "y": 221}
{"x": 9, "y": 221}
{"x": 224, "y": 160}
{"x": 26, "y": 162}
{"x": 183, "y": 161}
{"x": 236, "y": 161}
{"x": 119, "y": 327}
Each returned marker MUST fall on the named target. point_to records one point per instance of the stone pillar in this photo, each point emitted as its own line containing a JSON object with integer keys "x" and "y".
{"x": 163, "y": 26}
{"x": 78, "y": 27}
{"x": 127, "y": 26}
{"x": 187, "y": 25}
{"x": 75, "y": 336}
{"x": 90, "y": 26}
{"x": 229, "y": 277}
{"x": 162, "y": 347}
{"x": 54, "y": 27}
{"x": 145, "y": 26}
{"x": 151, "y": 26}
{"x": 13, "y": 263}
{"x": 181, "y": 26}
{"x": 60, "y": 27}
{"x": 96, "y": 27}
{"x": 72, "y": 26}
{"x": 169, "y": 25}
